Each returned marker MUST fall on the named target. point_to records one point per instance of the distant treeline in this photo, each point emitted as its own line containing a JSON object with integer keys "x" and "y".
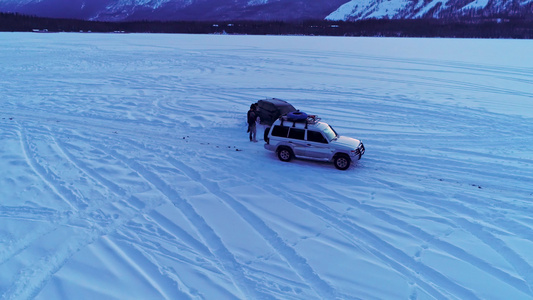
{"x": 467, "y": 28}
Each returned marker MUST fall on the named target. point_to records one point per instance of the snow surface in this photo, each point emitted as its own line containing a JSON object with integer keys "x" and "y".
{"x": 477, "y": 4}
{"x": 368, "y": 9}
{"x": 127, "y": 172}
{"x": 346, "y": 10}
{"x": 432, "y": 4}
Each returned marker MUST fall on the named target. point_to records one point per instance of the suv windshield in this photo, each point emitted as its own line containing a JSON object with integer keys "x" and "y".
{"x": 330, "y": 133}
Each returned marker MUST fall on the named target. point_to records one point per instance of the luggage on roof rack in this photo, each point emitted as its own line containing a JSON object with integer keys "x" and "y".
{"x": 299, "y": 117}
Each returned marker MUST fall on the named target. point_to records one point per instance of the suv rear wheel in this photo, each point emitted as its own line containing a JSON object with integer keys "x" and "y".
{"x": 342, "y": 161}
{"x": 284, "y": 154}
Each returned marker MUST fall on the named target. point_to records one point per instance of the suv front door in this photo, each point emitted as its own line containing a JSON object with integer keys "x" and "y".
{"x": 317, "y": 146}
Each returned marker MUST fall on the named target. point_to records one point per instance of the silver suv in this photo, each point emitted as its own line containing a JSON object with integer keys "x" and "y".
{"x": 299, "y": 135}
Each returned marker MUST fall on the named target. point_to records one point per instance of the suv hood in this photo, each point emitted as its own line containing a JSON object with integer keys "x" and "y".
{"x": 347, "y": 142}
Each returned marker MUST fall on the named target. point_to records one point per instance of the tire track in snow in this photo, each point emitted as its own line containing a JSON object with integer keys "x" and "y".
{"x": 15, "y": 248}
{"x": 456, "y": 167}
{"x": 29, "y": 213}
{"x": 523, "y": 268}
{"x": 396, "y": 258}
{"x": 149, "y": 269}
{"x": 331, "y": 219}
{"x": 508, "y": 225}
{"x": 457, "y": 252}
{"x": 136, "y": 203}
{"x": 45, "y": 174}
{"x": 448, "y": 64}
{"x": 459, "y": 180}
{"x": 33, "y": 278}
{"x": 149, "y": 246}
{"x": 174, "y": 230}
{"x": 298, "y": 263}
{"x": 111, "y": 186}
{"x": 147, "y": 241}
{"x": 398, "y": 77}
{"x": 520, "y": 75}
{"x": 226, "y": 258}
{"x": 137, "y": 208}
{"x": 25, "y": 285}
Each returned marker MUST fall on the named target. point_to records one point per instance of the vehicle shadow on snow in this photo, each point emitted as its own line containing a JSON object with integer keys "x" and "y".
{"x": 306, "y": 163}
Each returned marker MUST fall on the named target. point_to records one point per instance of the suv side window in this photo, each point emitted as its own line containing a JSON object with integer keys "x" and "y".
{"x": 281, "y": 131}
{"x": 316, "y": 136}
{"x": 296, "y": 133}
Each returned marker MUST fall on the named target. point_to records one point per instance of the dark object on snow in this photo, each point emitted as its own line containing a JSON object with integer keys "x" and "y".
{"x": 252, "y": 119}
{"x": 269, "y": 110}
{"x": 265, "y": 134}
{"x": 252, "y": 114}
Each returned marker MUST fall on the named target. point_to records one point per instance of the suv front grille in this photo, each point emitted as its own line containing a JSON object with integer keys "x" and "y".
{"x": 360, "y": 150}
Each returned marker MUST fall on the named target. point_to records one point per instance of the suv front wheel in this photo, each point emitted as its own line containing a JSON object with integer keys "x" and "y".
{"x": 342, "y": 161}
{"x": 284, "y": 154}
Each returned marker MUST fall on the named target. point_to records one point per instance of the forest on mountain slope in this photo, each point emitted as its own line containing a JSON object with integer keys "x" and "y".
{"x": 486, "y": 27}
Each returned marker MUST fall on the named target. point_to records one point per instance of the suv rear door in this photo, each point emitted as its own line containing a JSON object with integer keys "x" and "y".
{"x": 297, "y": 141}
{"x": 295, "y": 137}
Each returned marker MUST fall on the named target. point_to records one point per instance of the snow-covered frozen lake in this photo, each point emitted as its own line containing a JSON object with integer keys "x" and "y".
{"x": 126, "y": 170}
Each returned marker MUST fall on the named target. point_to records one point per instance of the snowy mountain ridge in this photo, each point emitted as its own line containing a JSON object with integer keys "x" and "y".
{"x": 267, "y": 10}
{"x": 440, "y": 9}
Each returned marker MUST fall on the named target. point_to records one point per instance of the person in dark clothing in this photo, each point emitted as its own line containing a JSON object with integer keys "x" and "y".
{"x": 252, "y": 118}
